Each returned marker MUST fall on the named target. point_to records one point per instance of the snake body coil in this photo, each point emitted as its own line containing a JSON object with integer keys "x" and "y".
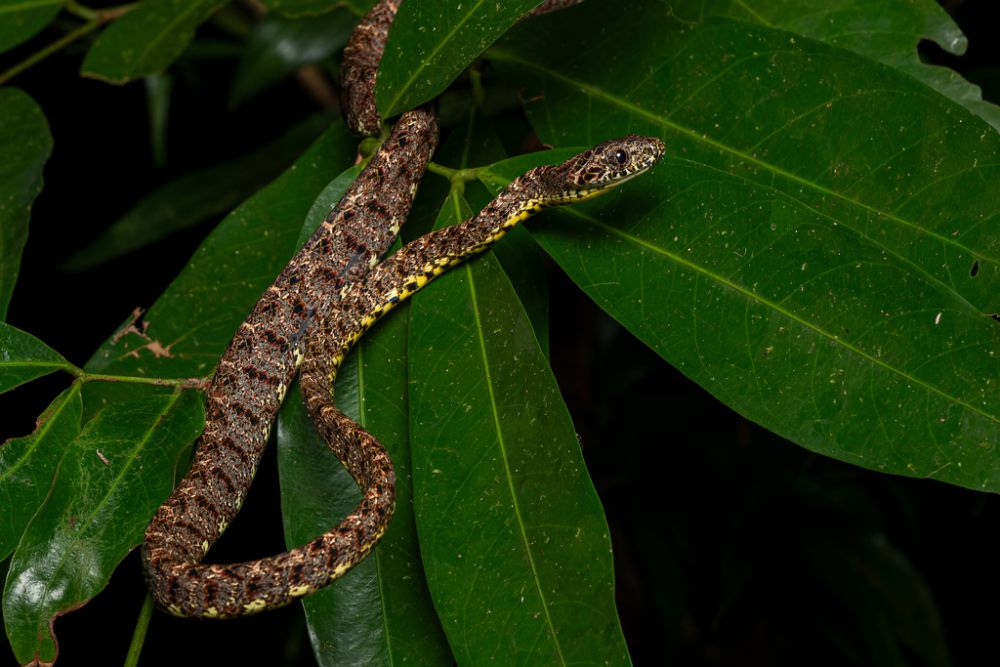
{"x": 321, "y": 304}
{"x": 253, "y": 376}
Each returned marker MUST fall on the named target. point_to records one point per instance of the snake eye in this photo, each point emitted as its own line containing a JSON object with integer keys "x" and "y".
{"x": 621, "y": 156}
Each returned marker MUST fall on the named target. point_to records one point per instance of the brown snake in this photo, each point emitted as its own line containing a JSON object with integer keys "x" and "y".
{"x": 331, "y": 281}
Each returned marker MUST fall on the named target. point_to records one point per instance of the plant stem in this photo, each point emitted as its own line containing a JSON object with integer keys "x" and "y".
{"x": 86, "y": 13}
{"x": 181, "y": 383}
{"x": 139, "y": 635}
{"x": 453, "y": 175}
{"x": 48, "y": 50}
{"x": 95, "y": 19}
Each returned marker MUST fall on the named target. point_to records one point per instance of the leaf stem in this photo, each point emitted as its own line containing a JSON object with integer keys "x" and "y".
{"x": 139, "y": 635}
{"x": 180, "y": 383}
{"x": 86, "y": 13}
{"x": 95, "y": 19}
{"x": 453, "y": 175}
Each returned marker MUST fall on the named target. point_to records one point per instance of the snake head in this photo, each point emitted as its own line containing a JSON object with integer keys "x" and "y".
{"x": 609, "y": 164}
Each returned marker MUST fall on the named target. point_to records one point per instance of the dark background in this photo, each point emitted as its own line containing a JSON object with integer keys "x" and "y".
{"x": 732, "y": 546}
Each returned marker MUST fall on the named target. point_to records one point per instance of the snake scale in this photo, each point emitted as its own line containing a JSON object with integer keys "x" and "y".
{"x": 320, "y": 304}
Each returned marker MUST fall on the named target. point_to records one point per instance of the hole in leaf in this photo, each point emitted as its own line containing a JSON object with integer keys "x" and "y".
{"x": 975, "y": 269}
{"x": 995, "y": 316}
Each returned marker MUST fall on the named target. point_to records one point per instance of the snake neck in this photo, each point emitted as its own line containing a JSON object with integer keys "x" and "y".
{"x": 414, "y": 266}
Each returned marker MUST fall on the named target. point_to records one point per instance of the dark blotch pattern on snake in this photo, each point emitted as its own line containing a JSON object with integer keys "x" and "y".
{"x": 250, "y": 383}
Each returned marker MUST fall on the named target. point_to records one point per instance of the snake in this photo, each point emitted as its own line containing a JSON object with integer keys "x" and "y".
{"x": 330, "y": 293}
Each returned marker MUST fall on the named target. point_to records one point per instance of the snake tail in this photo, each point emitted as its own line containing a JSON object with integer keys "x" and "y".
{"x": 251, "y": 381}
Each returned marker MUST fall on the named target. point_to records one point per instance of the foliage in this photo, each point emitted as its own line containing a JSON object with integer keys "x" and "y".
{"x": 818, "y": 251}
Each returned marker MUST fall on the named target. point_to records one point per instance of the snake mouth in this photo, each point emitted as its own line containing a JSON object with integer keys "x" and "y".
{"x": 628, "y": 177}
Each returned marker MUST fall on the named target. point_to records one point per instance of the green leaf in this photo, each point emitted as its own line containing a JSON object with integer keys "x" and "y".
{"x": 95, "y": 514}
{"x": 294, "y": 8}
{"x": 513, "y": 536}
{"x": 810, "y": 255}
{"x": 20, "y": 20}
{"x": 146, "y": 40}
{"x": 191, "y": 323}
{"x": 27, "y": 464}
{"x": 197, "y": 196}
{"x": 158, "y": 92}
{"x": 24, "y": 358}
{"x": 887, "y": 31}
{"x": 432, "y": 41}
{"x": 278, "y": 46}
{"x": 25, "y": 143}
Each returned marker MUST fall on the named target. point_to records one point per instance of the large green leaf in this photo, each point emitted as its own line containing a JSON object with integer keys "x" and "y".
{"x": 887, "y": 31}
{"x": 147, "y": 39}
{"x": 27, "y": 465}
{"x": 95, "y": 514}
{"x": 432, "y": 41}
{"x": 21, "y": 20}
{"x": 820, "y": 252}
{"x": 24, "y": 358}
{"x": 25, "y": 144}
{"x": 513, "y": 536}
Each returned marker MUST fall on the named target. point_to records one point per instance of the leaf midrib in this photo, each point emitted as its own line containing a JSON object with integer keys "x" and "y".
{"x": 432, "y": 53}
{"x": 506, "y": 463}
{"x": 725, "y": 282}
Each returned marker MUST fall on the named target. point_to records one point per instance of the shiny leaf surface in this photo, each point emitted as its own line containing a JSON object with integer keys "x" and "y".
{"x": 95, "y": 514}
{"x": 25, "y": 143}
{"x": 27, "y": 465}
{"x": 807, "y": 253}
{"x": 23, "y": 358}
{"x": 514, "y": 540}
{"x": 432, "y": 41}
{"x": 887, "y": 31}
